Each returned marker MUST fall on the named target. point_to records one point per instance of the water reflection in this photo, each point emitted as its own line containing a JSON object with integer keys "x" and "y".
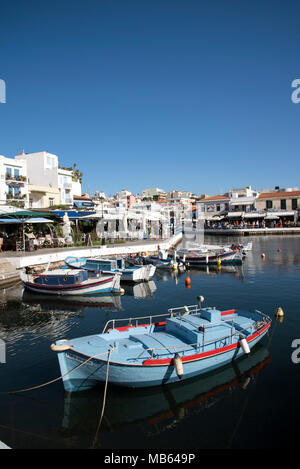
{"x": 157, "y": 409}
{"x": 78, "y": 303}
{"x": 141, "y": 290}
{"x": 235, "y": 271}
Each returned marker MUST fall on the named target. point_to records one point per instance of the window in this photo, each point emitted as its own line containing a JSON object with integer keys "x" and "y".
{"x": 283, "y": 204}
{"x": 294, "y": 204}
{"x": 269, "y": 203}
{"x": 8, "y": 172}
{"x": 16, "y": 173}
{"x": 51, "y": 202}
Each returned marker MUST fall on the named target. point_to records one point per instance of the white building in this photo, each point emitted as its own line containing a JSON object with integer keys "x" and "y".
{"x": 212, "y": 207}
{"x": 243, "y": 199}
{"x": 123, "y": 194}
{"x": 153, "y": 192}
{"x": 48, "y": 184}
{"x": 13, "y": 181}
{"x": 65, "y": 185}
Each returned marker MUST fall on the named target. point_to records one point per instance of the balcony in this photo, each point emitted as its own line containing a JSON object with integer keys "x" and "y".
{"x": 15, "y": 197}
{"x": 17, "y": 180}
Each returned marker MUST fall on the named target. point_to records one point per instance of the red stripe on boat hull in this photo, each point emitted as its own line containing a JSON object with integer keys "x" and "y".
{"x": 201, "y": 356}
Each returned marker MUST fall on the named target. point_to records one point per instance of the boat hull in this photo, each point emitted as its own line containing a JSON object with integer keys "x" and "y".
{"x": 109, "y": 284}
{"x": 225, "y": 258}
{"x": 88, "y": 374}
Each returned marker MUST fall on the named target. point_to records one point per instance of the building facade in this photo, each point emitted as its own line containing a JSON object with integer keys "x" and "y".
{"x": 48, "y": 184}
{"x": 13, "y": 182}
{"x": 279, "y": 200}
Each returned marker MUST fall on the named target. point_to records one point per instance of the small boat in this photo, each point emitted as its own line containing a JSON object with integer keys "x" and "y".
{"x": 129, "y": 274}
{"x": 189, "y": 341}
{"x": 161, "y": 261}
{"x": 204, "y": 256}
{"x": 71, "y": 282}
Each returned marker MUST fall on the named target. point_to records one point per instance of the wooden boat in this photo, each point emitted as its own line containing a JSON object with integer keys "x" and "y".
{"x": 71, "y": 282}
{"x": 161, "y": 261}
{"x": 203, "y": 256}
{"x": 128, "y": 274}
{"x": 191, "y": 340}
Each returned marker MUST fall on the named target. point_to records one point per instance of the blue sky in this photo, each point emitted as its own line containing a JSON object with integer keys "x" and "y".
{"x": 189, "y": 95}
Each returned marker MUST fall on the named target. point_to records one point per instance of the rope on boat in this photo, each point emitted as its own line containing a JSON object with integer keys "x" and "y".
{"x": 59, "y": 378}
{"x": 104, "y": 399}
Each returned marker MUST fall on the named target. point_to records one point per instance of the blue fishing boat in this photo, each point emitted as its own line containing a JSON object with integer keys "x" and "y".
{"x": 161, "y": 261}
{"x": 161, "y": 349}
{"x": 128, "y": 274}
{"x": 71, "y": 282}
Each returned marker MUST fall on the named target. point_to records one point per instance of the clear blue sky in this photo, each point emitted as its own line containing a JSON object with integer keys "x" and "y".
{"x": 190, "y": 94}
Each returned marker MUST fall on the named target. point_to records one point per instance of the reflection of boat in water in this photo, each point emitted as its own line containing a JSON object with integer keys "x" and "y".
{"x": 78, "y": 302}
{"x": 141, "y": 290}
{"x": 157, "y": 409}
{"x": 234, "y": 270}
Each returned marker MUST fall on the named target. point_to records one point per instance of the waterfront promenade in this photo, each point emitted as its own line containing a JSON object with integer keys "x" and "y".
{"x": 252, "y": 231}
{"x": 12, "y": 261}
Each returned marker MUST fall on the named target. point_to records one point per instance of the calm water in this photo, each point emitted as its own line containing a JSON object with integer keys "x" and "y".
{"x": 253, "y": 403}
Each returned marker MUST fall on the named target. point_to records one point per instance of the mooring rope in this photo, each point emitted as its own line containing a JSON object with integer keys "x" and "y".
{"x": 104, "y": 400}
{"x": 56, "y": 379}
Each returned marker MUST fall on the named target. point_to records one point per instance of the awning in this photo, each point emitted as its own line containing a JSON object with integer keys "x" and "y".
{"x": 235, "y": 214}
{"x": 254, "y": 215}
{"x": 28, "y": 220}
{"x": 243, "y": 202}
{"x": 283, "y": 213}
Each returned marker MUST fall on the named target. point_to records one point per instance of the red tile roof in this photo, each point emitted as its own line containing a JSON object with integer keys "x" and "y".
{"x": 268, "y": 195}
{"x": 214, "y": 197}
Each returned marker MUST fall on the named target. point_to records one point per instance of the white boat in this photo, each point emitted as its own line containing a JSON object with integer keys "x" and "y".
{"x": 139, "y": 273}
{"x": 203, "y": 256}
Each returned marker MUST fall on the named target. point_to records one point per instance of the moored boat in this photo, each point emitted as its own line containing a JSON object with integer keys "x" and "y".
{"x": 71, "y": 282}
{"x": 160, "y": 349}
{"x": 139, "y": 273}
{"x": 161, "y": 261}
{"x": 203, "y": 256}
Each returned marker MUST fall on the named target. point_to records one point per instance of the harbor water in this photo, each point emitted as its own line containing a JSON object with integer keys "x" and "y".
{"x": 250, "y": 403}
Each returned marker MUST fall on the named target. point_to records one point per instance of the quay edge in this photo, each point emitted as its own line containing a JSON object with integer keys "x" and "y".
{"x": 58, "y": 255}
{"x": 252, "y": 231}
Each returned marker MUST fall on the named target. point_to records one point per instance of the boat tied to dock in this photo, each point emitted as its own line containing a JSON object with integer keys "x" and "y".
{"x": 157, "y": 350}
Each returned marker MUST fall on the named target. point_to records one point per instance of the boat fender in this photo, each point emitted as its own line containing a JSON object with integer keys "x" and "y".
{"x": 178, "y": 365}
{"x": 244, "y": 344}
{"x": 60, "y": 348}
{"x": 279, "y": 312}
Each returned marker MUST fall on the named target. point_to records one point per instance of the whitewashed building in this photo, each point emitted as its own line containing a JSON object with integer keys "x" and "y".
{"x": 48, "y": 184}
{"x": 153, "y": 192}
{"x": 13, "y": 182}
